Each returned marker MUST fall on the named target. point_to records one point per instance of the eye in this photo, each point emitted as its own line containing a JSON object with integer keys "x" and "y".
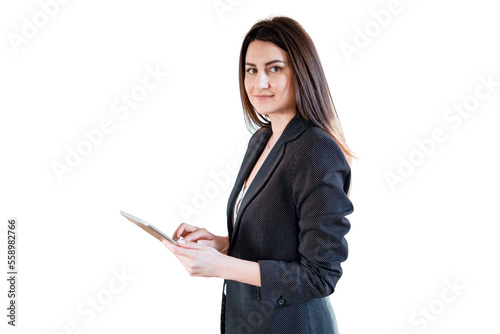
{"x": 251, "y": 70}
{"x": 275, "y": 69}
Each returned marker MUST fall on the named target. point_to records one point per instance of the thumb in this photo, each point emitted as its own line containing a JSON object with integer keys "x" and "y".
{"x": 189, "y": 244}
{"x": 210, "y": 243}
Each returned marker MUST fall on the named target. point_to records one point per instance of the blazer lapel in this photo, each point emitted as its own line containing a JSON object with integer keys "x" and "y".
{"x": 293, "y": 129}
{"x": 250, "y": 159}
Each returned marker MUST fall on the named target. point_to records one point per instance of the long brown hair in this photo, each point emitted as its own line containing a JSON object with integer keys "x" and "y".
{"x": 312, "y": 95}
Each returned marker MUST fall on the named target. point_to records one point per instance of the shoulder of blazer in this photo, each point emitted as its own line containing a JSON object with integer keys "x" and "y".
{"x": 318, "y": 145}
{"x": 304, "y": 133}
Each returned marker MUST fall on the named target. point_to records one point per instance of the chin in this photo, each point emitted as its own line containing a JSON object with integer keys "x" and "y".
{"x": 266, "y": 112}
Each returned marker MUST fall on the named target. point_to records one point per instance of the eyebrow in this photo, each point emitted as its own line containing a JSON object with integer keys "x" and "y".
{"x": 269, "y": 62}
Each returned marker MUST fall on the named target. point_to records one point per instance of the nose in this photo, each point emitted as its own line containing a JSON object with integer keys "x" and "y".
{"x": 261, "y": 81}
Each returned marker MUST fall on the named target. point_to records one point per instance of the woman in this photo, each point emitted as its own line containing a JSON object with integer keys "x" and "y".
{"x": 286, "y": 213}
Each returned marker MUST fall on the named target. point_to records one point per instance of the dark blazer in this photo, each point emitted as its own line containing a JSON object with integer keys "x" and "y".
{"x": 292, "y": 221}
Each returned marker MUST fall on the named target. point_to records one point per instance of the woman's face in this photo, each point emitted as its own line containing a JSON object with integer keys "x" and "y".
{"x": 268, "y": 79}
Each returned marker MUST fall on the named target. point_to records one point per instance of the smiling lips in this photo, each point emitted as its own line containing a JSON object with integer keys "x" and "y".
{"x": 263, "y": 97}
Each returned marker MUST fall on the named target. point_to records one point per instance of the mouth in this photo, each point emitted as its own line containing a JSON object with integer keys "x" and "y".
{"x": 263, "y": 97}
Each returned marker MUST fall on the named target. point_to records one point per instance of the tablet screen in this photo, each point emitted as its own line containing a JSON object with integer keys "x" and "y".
{"x": 148, "y": 228}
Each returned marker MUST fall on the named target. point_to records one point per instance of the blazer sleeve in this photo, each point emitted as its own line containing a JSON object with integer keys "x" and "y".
{"x": 320, "y": 183}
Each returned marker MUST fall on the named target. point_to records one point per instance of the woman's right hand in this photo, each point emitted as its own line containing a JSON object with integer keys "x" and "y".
{"x": 197, "y": 234}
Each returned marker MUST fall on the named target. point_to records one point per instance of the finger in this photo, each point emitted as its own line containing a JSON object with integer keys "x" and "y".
{"x": 178, "y": 231}
{"x": 183, "y": 260}
{"x": 209, "y": 243}
{"x": 200, "y": 233}
{"x": 183, "y": 230}
{"x": 173, "y": 248}
{"x": 191, "y": 245}
{"x": 182, "y": 254}
{"x": 207, "y": 238}
{"x": 169, "y": 245}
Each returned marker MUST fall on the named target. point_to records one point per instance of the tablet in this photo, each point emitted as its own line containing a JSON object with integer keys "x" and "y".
{"x": 148, "y": 228}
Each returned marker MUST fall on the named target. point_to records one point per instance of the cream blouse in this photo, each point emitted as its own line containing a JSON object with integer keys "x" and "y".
{"x": 238, "y": 201}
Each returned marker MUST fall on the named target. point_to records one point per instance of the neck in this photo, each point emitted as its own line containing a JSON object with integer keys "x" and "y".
{"x": 278, "y": 124}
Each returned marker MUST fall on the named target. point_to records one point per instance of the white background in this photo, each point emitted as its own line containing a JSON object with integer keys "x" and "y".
{"x": 406, "y": 242}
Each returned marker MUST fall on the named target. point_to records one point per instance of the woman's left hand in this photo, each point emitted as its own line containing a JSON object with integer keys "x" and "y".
{"x": 197, "y": 258}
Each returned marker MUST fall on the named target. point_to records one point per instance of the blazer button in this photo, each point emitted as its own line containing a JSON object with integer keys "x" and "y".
{"x": 281, "y": 302}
